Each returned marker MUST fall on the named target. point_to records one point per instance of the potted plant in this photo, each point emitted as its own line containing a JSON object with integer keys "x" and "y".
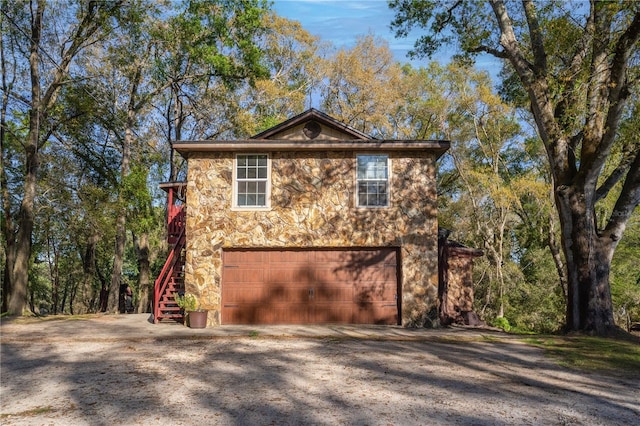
{"x": 194, "y": 316}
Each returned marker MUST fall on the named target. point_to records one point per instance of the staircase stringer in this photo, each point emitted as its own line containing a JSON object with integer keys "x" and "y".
{"x": 165, "y": 284}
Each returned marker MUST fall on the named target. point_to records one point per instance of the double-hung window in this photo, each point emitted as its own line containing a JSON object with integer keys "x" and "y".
{"x": 252, "y": 181}
{"x": 372, "y": 173}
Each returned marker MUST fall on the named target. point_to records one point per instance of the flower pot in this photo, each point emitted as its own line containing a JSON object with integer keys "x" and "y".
{"x": 197, "y": 319}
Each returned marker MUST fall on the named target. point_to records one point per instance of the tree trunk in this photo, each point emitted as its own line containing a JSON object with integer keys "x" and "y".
{"x": 72, "y": 297}
{"x": 63, "y": 299}
{"x": 118, "y": 261}
{"x": 10, "y": 249}
{"x": 145, "y": 286}
{"x": 8, "y": 230}
{"x": 500, "y": 259}
{"x": 7, "y": 276}
{"x": 89, "y": 272}
{"x": 20, "y": 270}
{"x": 104, "y": 291}
{"x": 121, "y": 230}
{"x": 55, "y": 277}
{"x": 176, "y": 123}
{"x": 557, "y": 256}
{"x": 20, "y": 273}
{"x": 589, "y": 305}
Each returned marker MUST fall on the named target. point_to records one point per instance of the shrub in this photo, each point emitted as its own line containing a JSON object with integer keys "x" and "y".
{"x": 187, "y": 303}
{"x": 501, "y": 322}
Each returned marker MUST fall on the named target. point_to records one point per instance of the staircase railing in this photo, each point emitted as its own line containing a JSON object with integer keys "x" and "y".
{"x": 167, "y": 274}
{"x": 176, "y": 222}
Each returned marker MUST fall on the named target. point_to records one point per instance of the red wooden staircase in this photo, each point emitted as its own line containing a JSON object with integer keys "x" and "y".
{"x": 171, "y": 278}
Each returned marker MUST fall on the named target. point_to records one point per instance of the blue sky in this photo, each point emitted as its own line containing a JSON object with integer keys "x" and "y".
{"x": 341, "y": 22}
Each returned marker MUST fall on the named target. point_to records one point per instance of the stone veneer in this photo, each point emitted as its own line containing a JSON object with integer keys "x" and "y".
{"x": 313, "y": 205}
{"x": 458, "y": 297}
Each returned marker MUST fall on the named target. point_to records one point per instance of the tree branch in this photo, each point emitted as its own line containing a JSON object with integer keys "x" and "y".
{"x": 617, "y": 174}
{"x": 87, "y": 27}
{"x": 510, "y": 44}
{"x": 627, "y": 202}
{"x": 597, "y": 87}
{"x": 582, "y": 47}
{"x": 618, "y": 87}
{"x": 537, "y": 87}
{"x": 607, "y": 94}
{"x": 568, "y": 76}
{"x": 445, "y": 19}
{"x": 490, "y": 50}
{"x": 535, "y": 33}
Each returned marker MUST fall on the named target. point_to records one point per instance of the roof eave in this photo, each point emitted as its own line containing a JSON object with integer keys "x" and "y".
{"x": 438, "y": 147}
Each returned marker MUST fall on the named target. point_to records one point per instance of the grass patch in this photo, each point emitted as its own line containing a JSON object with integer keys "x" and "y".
{"x": 592, "y": 353}
{"x": 490, "y": 338}
{"x": 28, "y": 413}
{"x": 32, "y": 319}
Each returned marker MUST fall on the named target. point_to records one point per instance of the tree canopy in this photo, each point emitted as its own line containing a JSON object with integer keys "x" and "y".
{"x": 578, "y": 65}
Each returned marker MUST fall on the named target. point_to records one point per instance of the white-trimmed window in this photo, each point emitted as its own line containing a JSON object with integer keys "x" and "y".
{"x": 251, "y": 181}
{"x": 372, "y": 180}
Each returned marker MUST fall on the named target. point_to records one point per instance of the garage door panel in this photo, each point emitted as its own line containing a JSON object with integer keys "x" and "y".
{"x": 330, "y": 275}
{"x": 331, "y": 256}
{"x": 309, "y": 286}
{"x": 332, "y": 313}
{"x": 360, "y": 275}
{"x": 290, "y": 314}
{"x": 265, "y": 314}
{"x": 286, "y": 257}
{"x": 284, "y": 294}
{"x": 376, "y": 273}
{"x": 288, "y": 276}
{"x": 366, "y": 257}
{"x": 244, "y": 275}
{"x": 232, "y": 314}
{"x": 270, "y": 313}
{"x": 376, "y": 313}
{"x": 375, "y": 291}
{"x": 241, "y": 294}
{"x": 335, "y": 294}
{"x": 235, "y": 257}
{"x": 235, "y": 314}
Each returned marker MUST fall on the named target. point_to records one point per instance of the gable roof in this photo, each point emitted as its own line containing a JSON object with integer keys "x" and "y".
{"x": 310, "y": 131}
{"x": 312, "y": 115}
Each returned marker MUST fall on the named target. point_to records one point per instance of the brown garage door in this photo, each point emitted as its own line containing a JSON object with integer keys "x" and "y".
{"x": 310, "y": 286}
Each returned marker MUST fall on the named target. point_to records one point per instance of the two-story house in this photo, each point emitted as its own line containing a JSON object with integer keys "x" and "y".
{"x": 309, "y": 222}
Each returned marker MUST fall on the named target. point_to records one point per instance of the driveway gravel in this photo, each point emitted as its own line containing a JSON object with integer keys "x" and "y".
{"x": 121, "y": 369}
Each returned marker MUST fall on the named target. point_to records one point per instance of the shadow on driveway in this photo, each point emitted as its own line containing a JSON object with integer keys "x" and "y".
{"x": 103, "y": 371}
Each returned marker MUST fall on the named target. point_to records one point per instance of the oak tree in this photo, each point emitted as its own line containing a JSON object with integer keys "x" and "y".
{"x": 40, "y": 39}
{"x": 577, "y": 64}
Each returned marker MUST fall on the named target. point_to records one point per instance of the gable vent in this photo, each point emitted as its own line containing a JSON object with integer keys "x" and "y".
{"x": 312, "y": 129}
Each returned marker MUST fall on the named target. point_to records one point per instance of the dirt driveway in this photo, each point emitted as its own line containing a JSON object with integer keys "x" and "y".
{"x": 124, "y": 370}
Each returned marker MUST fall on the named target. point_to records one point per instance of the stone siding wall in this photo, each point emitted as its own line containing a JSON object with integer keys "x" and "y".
{"x": 313, "y": 205}
{"x": 460, "y": 292}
